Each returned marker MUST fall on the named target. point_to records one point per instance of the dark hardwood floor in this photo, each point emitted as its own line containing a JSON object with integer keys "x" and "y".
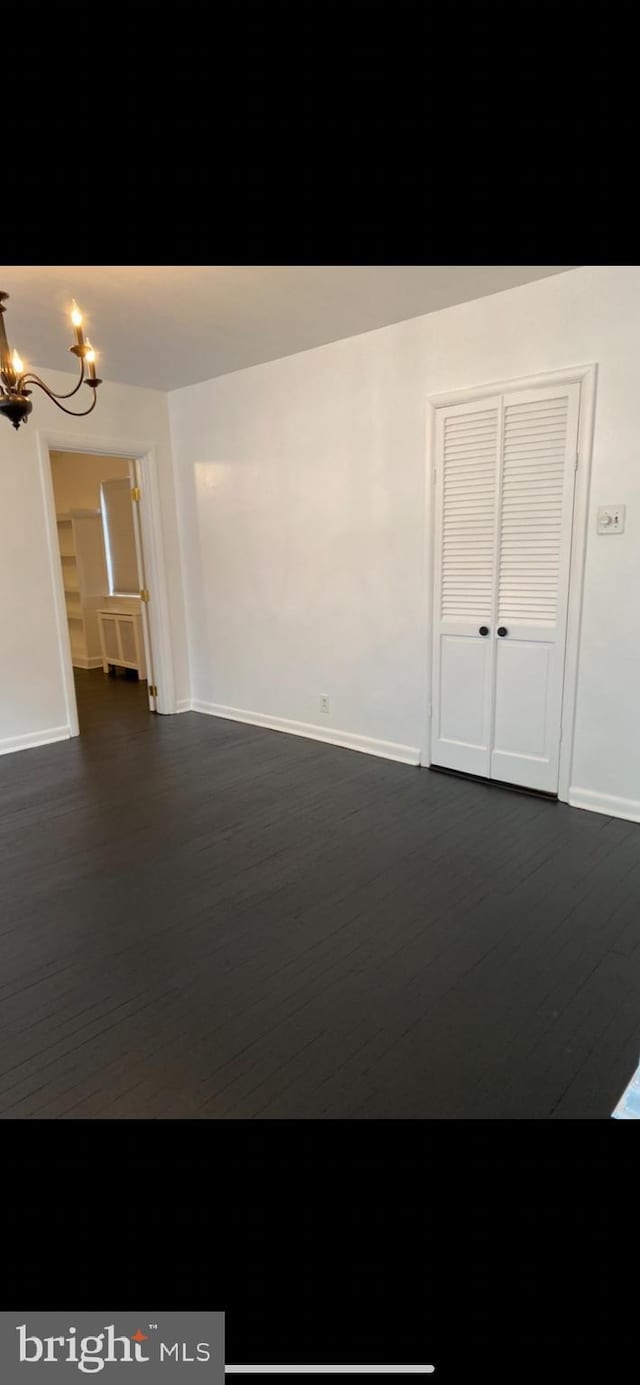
{"x": 201, "y": 918}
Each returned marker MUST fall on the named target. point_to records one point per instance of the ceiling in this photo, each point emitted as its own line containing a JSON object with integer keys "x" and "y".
{"x": 168, "y": 326}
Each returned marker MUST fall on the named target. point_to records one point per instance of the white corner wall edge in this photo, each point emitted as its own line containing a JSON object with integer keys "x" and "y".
{"x": 606, "y": 803}
{"x": 184, "y": 705}
{"x": 385, "y": 750}
{"x": 35, "y": 738}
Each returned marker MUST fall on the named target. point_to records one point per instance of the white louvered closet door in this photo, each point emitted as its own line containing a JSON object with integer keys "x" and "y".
{"x": 537, "y": 485}
{"x": 505, "y": 474}
{"x": 467, "y": 472}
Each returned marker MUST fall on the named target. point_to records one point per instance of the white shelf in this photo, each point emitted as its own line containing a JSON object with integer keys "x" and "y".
{"x": 84, "y": 579}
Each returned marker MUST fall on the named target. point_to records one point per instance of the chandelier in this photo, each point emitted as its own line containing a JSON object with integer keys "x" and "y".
{"x": 15, "y": 402}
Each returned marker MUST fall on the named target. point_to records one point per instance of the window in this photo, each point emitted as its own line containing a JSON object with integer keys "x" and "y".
{"x": 119, "y": 537}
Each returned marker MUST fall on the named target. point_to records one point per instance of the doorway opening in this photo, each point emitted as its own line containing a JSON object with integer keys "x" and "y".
{"x": 102, "y": 568}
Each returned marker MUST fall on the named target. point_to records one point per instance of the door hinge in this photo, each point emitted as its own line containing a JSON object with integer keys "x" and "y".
{"x": 144, "y": 595}
{"x": 153, "y": 690}
{"x": 135, "y": 492}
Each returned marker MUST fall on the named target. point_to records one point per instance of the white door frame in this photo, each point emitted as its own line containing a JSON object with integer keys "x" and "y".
{"x": 585, "y": 375}
{"x": 143, "y": 454}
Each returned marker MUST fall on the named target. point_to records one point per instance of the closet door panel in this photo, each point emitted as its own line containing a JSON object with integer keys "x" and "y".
{"x": 467, "y": 459}
{"x": 536, "y": 507}
{"x": 523, "y": 669}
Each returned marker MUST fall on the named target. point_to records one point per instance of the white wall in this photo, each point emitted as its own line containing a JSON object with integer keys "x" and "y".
{"x": 32, "y": 702}
{"x": 301, "y": 492}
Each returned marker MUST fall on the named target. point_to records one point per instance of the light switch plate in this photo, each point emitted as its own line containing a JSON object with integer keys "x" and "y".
{"x": 611, "y": 519}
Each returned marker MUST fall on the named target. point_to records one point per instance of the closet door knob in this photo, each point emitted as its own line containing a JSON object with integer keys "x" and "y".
{"x": 484, "y": 630}
{"x": 502, "y": 631}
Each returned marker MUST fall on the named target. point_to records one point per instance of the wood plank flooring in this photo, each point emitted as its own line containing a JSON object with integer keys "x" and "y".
{"x": 205, "y": 919}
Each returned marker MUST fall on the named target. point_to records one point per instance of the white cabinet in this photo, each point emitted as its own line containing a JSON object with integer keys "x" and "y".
{"x": 122, "y": 640}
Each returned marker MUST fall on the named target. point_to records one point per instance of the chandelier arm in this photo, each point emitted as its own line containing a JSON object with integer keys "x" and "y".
{"x": 30, "y": 379}
{"x": 55, "y": 400}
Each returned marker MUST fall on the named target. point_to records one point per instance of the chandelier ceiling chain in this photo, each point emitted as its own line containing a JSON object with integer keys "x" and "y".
{"x": 15, "y": 402}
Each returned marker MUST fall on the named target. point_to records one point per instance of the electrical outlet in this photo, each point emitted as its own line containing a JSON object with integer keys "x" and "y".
{"x": 324, "y": 703}
{"x": 611, "y": 519}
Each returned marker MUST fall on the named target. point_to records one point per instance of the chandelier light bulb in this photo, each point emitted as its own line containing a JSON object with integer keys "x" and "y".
{"x": 76, "y": 318}
{"x": 17, "y": 363}
{"x": 90, "y": 358}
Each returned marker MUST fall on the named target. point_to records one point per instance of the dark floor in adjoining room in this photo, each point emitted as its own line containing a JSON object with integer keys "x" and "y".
{"x": 201, "y": 918}
{"x": 111, "y": 702}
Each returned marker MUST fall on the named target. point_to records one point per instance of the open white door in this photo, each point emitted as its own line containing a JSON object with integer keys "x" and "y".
{"x": 505, "y": 476}
{"x": 145, "y": 594}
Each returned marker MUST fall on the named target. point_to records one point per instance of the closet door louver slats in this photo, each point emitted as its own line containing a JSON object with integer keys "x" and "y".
{"x": 468, "y": 513}
{"x": 532, "y": 510}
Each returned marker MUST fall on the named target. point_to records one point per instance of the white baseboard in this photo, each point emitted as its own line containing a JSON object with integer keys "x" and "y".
{"x": 184, "y": 705}
{"x": 613, "y": 807}
{"x": 385, "y": 750}
{"x": 79, "y": 661}
{"x": 34, "y": 738}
